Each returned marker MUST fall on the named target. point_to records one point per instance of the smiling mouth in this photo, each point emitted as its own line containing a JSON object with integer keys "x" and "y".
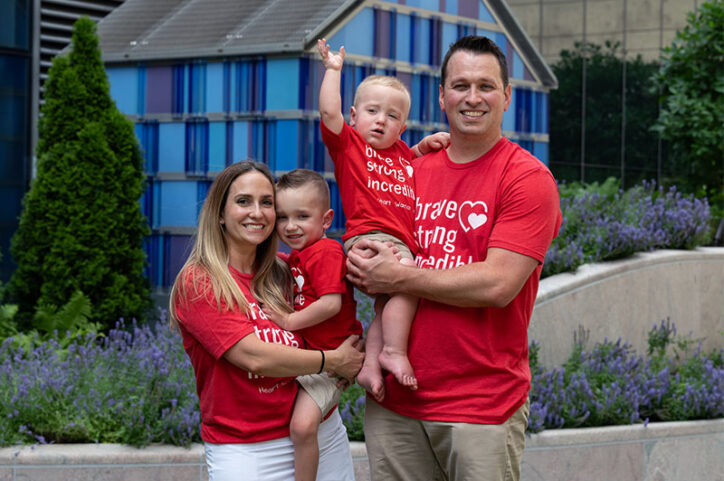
{"x": 257, "y": 227}
{"x": 473, "y": 113}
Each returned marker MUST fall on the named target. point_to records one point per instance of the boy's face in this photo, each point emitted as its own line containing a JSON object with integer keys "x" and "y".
{"x": 379, "y": 115}
{"x": 301, "y": 217}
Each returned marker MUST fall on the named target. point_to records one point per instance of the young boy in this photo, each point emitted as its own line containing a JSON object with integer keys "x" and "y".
{"x": 325, "y": 309}
{"x": 372, "y": 167}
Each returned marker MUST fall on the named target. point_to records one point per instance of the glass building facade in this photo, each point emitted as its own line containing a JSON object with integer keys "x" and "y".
{"x": 15, "y": 95}
{"x": 194, "y": 117}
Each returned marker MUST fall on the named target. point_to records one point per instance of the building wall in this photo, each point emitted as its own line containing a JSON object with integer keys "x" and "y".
{"x": 193, "y": 118}
{"x": 15, "y": 91}
{"x": 643, "y": 26}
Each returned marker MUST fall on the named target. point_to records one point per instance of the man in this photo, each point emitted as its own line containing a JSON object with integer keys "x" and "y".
{"x": 486, "y": 212}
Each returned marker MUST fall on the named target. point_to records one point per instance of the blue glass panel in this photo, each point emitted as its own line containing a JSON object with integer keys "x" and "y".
{"x": 540, "y": 150}
{"x": 147, "y": 202}
{"x": 160, "y": 89}
{"x": 426, "y": 4}
{"x": 286, "y": 152}
{"x": 229, "y": 154}
{"x": 215, "y": 87}
{"x": 156, "y": 205}
{"x": 336, "y": 204}
{"x": 178, "y": 90}
{"x": 487, "y": 33}
{"x": 416, "y": 95}
{"x": 484, "y": 14}
{"x": 15, "y": 24}
{"x": 349, "y": 35}
{"x": 202, "y": 189}
{"x": 141, "y": 89}
{"x": 282, "y": 84}
{"x": 124, "y": 88}
{"x": 171, "y": 142}
{"x": 217, "y": 146}
{"x": 177, "y": 249}
{"x": 543, "y": 112}
{"x": 197, "y": 147}
{"x": 197, "y": 88}
{"x": 227, "y": 91}
{"x": 518, "y": 67}
{"x": 147, "y": 134}
{"x": 178, "y": 203}
{"x": 449, "y": 35}
{"x": 402, "y": 39}
{"x": 241, "y": 147}
{"x": 510, "y": 114}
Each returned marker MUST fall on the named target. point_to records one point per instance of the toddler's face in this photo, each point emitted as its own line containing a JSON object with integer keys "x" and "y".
{"x": 380, "y": 115}
{"x": 301, "y": 217}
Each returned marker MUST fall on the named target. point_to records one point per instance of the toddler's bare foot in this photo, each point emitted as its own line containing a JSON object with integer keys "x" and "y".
{"x": 397, "y": 363}
{"x": 370, "y": 378}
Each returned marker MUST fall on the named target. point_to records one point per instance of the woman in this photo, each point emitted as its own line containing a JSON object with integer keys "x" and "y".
{"x": 244, "y": 364}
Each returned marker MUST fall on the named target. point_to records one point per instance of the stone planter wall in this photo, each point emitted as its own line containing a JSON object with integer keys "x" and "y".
{"x": 683, "y": 451}
{"x": 625, "y": 298}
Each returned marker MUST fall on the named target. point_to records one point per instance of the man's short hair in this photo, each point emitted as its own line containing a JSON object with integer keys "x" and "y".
{"x": 300, "y": 177}
{"x": 479, "y": 45}
{"x": 385, "y": 81}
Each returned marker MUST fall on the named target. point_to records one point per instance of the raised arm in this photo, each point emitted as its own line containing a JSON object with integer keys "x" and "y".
{"x": 493, "y": 282}
{"x": 330, "y": 97}
{"x": 269, "y": 359}
{"x": 318, "y": 311}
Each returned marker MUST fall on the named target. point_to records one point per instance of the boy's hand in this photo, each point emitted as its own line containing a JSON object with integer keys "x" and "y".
{"x": 431, "y": 143}
{"x": 329, "y": 59}
{"x": 279, "y": 318}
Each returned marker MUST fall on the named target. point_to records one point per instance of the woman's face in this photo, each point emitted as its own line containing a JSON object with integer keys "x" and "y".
{"x": 248, "y": 216}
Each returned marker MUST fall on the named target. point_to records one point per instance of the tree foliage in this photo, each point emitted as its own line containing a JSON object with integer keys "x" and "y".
{"x": 691, "y": 85}
{"x": 81, "y": 228}
{"x": 604, "y": 70}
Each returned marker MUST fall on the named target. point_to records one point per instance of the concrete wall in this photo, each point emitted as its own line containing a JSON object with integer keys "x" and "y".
{"x": 659, "y": 452}
{"x": 644, "y": 26}
{"x": 626, "y": 298}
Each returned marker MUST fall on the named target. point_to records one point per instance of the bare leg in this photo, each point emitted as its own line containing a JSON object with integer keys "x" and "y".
{"x": 370, "y": 376}
{"x": 303, "y": 431}
{"x": 396, "y": 321}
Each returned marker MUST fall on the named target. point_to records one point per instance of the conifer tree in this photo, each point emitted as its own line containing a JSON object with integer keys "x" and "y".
{"x": 81, "y": 227}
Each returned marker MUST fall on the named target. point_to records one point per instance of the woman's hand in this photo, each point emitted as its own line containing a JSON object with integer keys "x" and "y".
{"x": 346, "y": 360}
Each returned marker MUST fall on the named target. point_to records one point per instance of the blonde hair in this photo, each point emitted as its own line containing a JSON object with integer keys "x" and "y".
{"x": 207, "y": 265}
{"x": 385, "y": 81}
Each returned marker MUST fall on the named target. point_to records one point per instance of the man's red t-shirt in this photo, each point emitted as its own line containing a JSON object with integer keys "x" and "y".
{"x": 472, "y": 363}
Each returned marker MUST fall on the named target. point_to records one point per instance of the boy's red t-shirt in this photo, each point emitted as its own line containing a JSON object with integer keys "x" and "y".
{"x": 376, "y": 186}
{"x": 236, "y": 406}
{"x": 320, "y": 269}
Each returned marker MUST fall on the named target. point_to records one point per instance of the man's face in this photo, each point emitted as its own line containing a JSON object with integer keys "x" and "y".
{"x": 473, "y": 97}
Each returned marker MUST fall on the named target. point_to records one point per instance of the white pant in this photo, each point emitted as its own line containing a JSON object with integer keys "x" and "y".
{"x": 274, "y": 460}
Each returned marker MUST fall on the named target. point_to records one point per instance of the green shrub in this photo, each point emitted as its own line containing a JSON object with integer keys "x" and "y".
{"x": 81, "y": 227}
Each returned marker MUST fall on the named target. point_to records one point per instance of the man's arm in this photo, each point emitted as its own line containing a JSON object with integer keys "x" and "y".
{"x": 493, "y": 282}
{"x": 330, "y": 98}
{"x": 318, "y": 311}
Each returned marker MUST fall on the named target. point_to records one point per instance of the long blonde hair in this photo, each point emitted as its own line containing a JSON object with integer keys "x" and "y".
{"x": 207, "y": 265}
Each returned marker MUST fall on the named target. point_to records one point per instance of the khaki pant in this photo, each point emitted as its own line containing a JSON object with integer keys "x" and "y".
{"x": 378, "y": 235}
{"x": 406, "y": 449}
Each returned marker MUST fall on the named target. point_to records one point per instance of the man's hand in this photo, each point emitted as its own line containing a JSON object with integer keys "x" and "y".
{"x": 329, "y": 59}
{"x": 374, "y": 267}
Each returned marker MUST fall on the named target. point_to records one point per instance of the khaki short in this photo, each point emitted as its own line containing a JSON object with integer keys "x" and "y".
{"x": 322, "y": 389}
{"x": 407, "y": 449}
{"x": 378, "y": 235}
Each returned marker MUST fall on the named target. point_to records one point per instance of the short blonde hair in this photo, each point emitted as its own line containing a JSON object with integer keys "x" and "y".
{"x": 385, "y": 81}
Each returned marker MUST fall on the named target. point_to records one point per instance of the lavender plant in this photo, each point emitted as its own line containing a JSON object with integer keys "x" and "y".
{"x": 611, "y": 384}
{"x": 602, "y": 224}
{"x": 133, "y": 386}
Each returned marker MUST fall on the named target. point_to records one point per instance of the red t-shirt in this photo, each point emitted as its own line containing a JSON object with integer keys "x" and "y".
{"x": 236, "y": 406}
{"x": 472, "y": 363}
{"x": 320, "y": 269}
{"x": 376, "y": 186}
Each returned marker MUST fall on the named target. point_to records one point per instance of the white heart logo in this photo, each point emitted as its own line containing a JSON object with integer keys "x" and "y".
{"x": 409, "y": 170}
{"x": 300, "y": 282}
{"x": 476, "y": 220}
{"x": 470, "y": 216}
